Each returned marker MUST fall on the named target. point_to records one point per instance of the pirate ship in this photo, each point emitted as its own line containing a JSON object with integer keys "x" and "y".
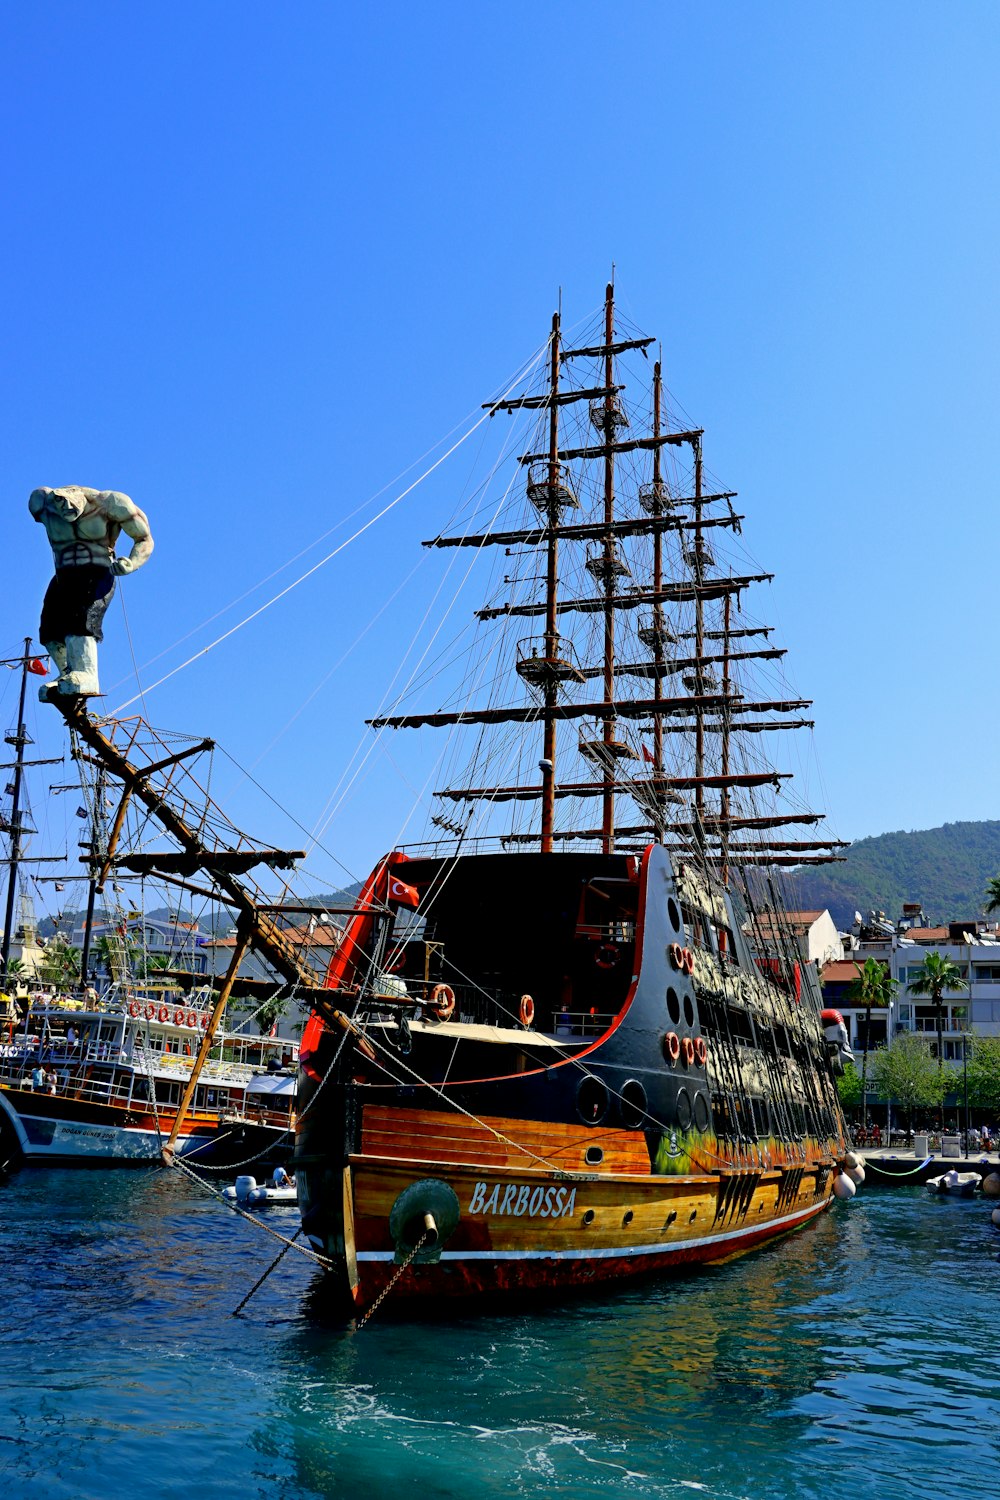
{"x": 558, "y": 1049}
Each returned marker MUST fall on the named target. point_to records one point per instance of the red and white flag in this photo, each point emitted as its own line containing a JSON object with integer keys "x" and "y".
{"x": 406, "y": 895}
{"x": 647, "y": 757}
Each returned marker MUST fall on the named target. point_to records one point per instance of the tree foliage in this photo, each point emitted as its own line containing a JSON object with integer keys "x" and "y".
{"x": 60, "y": 965}
{"x": 984, "y": 1073}
{"x": 849, "y": 1088}
{"x": 907, "y": 1074}
{"x": 873, "y": 988}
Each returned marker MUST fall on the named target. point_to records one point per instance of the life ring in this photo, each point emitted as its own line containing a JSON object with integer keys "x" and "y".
{"x": 677, "y": 955}
{"x": 687, "y": 1047}
{"x": 700, "y": 1051}
{"x": 672, "y": 1045}
{"x": 149, "y": 1012}
{"x": 443, "y": 1001}
{"x": 163, "y": 1014}
{"x": 203, "y": 1020}
{"x": 688, "y": 961}
{"x": 606, "y": 956}
{"x": 134, "y": 1008}
{"x": 179, "y": 1016}
{"x": 526, "y": 1010}
{"x": 191, "y": 1019}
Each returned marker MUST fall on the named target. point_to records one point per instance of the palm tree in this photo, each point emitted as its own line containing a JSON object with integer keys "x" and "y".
{"x": 992, "y": 895}
{"x": 874, "y": 986}
{"x": 934, "y": 976}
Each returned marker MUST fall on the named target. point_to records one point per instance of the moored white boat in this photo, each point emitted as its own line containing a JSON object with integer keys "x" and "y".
{"x": 104, "y": 1084}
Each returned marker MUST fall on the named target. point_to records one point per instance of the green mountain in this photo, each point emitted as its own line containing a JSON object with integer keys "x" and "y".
{"x": 945, "y": 869}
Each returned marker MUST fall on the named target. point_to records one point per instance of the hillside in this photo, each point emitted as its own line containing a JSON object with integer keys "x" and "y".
{"x": 946, "y": 869}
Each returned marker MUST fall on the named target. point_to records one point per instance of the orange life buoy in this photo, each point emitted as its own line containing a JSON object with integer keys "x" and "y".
{"x": 526, "y": 1010}
{"x": 204, "y": 1019}
{"x": 133, "y": 1008}
{"x": 163, "y": 1014}
{"x": 700, "y": 1051}
{"x": 149, "y": 1012}
{"x": 688, "y": 961}
{"x": 606, "y": 956}
{"x": 443, "y": 1001}
{"x": 672, "y": 1045}
{"x": 688, "y": 1048}
{"x": 677, "y": 955}
{"x": 179, "y": 1016}
{"x": 191, "y": 1019}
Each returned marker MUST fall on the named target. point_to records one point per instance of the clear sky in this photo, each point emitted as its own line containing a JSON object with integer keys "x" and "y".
{"x": 260, "y": 258}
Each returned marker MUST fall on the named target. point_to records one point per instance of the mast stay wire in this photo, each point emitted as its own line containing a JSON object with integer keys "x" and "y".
{"x": 521, "y": 374}
{"x": 340, "y": 791}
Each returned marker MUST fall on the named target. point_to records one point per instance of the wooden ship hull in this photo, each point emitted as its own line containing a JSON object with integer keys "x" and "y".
{"x": 583, "y": 1159}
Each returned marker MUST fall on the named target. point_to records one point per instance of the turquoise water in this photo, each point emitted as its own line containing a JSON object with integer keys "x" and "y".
{"x": 860, "y": 1357}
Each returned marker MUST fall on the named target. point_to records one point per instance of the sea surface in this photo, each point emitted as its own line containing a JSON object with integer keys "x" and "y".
{"x": 858, "y": 1357}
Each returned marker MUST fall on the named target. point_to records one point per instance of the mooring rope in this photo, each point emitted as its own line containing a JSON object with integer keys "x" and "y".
{"x": 871, "y": 1166}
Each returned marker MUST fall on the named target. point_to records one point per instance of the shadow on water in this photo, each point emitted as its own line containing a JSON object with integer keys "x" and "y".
{"x": 856, "y": 1357}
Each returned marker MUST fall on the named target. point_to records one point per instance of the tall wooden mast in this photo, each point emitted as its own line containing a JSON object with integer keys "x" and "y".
{"x": 699, "y": 628}
{"x": 610, "y": 561}
{"x": 548, "y": 764}
{"x": 658, "y": 641}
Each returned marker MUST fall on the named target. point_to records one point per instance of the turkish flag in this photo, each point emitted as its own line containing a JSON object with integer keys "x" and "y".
{"x": 406, "y": 895}
{"x": 39, "y": 668}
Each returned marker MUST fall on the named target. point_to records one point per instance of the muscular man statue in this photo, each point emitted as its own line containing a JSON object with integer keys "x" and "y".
{"x": 82, "y": 526}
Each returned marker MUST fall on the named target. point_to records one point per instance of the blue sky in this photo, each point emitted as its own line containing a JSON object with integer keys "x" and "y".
{"x": 259, "y": 259}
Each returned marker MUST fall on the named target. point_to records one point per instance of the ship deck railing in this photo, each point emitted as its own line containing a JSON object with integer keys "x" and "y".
{"x": 130, "y": 1091}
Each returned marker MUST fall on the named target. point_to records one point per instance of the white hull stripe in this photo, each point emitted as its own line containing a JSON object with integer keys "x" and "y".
{"x": 624, "y": 1252}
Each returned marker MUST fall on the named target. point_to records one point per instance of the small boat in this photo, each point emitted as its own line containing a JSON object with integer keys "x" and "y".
{"x": 958, "y": 1184}
{"x": 249, "y": 1193}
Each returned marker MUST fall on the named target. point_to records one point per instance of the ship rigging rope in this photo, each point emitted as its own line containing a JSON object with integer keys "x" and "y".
{"x": 369, "y": 742}
{"x": 290, "y": 1244}
{"x": 521, "y": 374}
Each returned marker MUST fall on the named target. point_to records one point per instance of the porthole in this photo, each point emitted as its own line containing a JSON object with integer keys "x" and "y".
{"x": 701, "y": 1113}
{"x": 673, "y": 914}
{"x": 693, "y": 1216}
{"x": 591, "y": 1100}
{"x": 633, "y": 1104}
{"x": 682, "y": 1109}
{"x": 628, "y": 1216}
{"x": 589, "y": 1216}
{"x": 593, "y": 1156}
{"x": 673, "y": 1006}
{"x": 688, "y": 1011}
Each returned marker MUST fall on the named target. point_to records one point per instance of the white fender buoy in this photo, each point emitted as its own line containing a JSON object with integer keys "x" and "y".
{"x": 995, "y": 1216}
{"x": 991, "y": 1185}
{"x": 856, "y": 1174}
{"x": 843, "y": 1187}
{"x": 851, "y": 1159}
